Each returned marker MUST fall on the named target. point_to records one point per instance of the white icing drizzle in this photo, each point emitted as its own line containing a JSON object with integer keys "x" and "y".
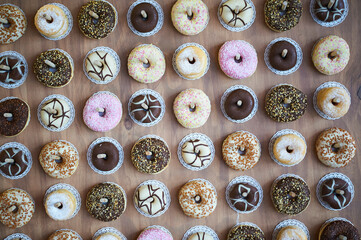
{"x": 17, "y": 66}
{"x": 340, "y": 199}
{"x": 243, "y": 200}
{"x": 334, "y": 10}
{"x": 11, "y": 156}
{"x": 148, "y": 114}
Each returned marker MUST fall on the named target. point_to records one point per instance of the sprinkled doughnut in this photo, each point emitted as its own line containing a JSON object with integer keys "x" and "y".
{"x": 289, "y": 149}
{"x": 154, "y": 233}
{"x": 102, "y": 112}
{"x": 146, "y": 64}
{"x": 190, "y": 17}
{"x": 192, "y": 108}
{"x": 64, "y": 234}
{"x": 198, "y": 198}
{"x": 16, "y": 208}
{"x": 12, "y": 23}
{"x": 241, "y": 150}
{"x": 60, "y": 204}
{"x": 14, "y": 116}
{"x": 330, "y": 55}
{"x": 334, "y": 101}
{"x": 237, "y": 59}
{"x": 191, "y": 62}
{"x": 339, "y": 229}
{"x": 335, "y": 147}
{"x": 245, "y": 232}
{"x": 59, "y": 159}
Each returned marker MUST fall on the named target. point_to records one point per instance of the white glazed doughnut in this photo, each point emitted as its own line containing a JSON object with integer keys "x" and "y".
{"x": 191, "y": 62}
{"x": 108, "y": 236}
{"x": 51, "y": 21}
{"x": 333, "y": 101}
{"x": 60, "y": 204}
{"x": 289, "y": 149}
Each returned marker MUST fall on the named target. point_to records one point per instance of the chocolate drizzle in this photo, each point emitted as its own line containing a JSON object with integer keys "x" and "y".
{"x": 235, "y": 17}
{"x": 58, "y": 119}
{"x": 147, "y": 201}
{"x": 17, "y": 167}
{"x": 200, "y": 158}
{"x": 334, "y": 13}
{"x": 16, "y": 72}
{"x": 105, "y": 66}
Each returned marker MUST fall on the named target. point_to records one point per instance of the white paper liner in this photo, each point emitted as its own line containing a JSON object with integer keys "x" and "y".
{"x": 298, "y": 51}
{"x": 166, "y": 192}
{"x": 27, "y": 153}
{"x": 116, "y": 144}
{"x": 290, "y": 222}
{"x": 108, "y": 230}
{"x": 273, "y": 140}
{"x": 322, "y": 86}
{"x": 237, "y": 29}
{"x": 194, "y": 136}
{"x": 159, "y": 227}
{"x": 21, "y": 236}
{"x": 200, "y": 228}
{"x": 72, "y": 112}
{"x": 233, "y": 88}
{"x": 246, "y": 224}
{"x": 70, "y": 22}
{"x": 328, "y": 24}
{"x": 154, "y": 94}
{"x": 26, "y": 70}
{"x": 160, "y": 18}
{"x": 71, "y": 189}
{"x": 113, "y": 54}
{"x": 244, "y": 179}
{"x": 330, "y": 176}
{"x": 66, "y": 229}
{"x": 190, "y": 45}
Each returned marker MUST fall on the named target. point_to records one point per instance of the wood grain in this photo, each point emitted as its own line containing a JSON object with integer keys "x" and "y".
{"x": 214, "y": 83}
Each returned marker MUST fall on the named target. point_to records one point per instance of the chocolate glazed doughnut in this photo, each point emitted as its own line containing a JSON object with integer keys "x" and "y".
{"x": 105, "y": 156}
{"x": 283, "y": 56}
{"x": 144, "y": 17}
{"x": 327, "y": 12}
{"x": 239, "y": 104}
{"x": 339, "y": 229}
{"x": 14, "y": 116}
{"x": 244, "y": 196}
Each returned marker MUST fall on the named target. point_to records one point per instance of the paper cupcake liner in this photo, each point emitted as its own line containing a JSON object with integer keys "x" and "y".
{"x": 273, "y": 140}
{"x": 108, "y": 230}
{"x": 290, "y": 222}
{"x": 70, "y": 22}
{"x": 116, "y": 144}
{"x": 189, "y": 45}
{"x": 330, "y": 176}
{"x": 193, "y": 136}
{"x": 204, "y": 180}
{"x": 160, "y": 18}
{"x": 244, "y": 179}
{"x": 26, "y": 70}
{"x": 14, "y": 236}
{"x": 166, "y": 192}
{"x": 11, "y": 97}
{"x": 236, "y": 29}
{"x": 233, "y": 88}
{"x": 27, "y": 154}
{"x": 298, "y": 51}
{"x": 322, "y": 86}
{"x": 159, "y": 227}
{"x": 154, "y": 94}
{"x": 71, "y": 189}
{"x": 328, "y": 24}
{"x": 200, "y": 228}
{"x": 114, "y": 55}
{"x": 247, "y": 224}
{"x": 66, "y": 229}
{"x": 72, "y": 112}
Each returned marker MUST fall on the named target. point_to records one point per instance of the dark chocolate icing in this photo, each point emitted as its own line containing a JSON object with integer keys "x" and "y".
{"x": 244, "y": 196}
{"x": 142, "y": 24}
{"x": 283, "y": 63}
{"x": 239, "y": 112}
{"x": 18, "y": 166}
{"x": 144, "y": 115}
{"x": 20, "y": 116}
{"x": 16, "y": 72}
{"x": 330, "y": 193}
{"x": 335, "y": 229}
{"x": 325, "y": 14}
{"x": 112, "y": 156}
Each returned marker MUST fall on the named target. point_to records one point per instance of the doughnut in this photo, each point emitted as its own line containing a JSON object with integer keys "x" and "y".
{"x": 241, "y": 150}
{"x": 154, "y": 233}
{"x": 291, "y": 232}
{"x": 145, "y": 108}
{"x": 101, "y": 66}
{"x": 146, "y": 63}
{"x": 105, "y": 156}
{"x": 60, "y": 204}
{"x": 237, "y": 59}
{"x": 285, "y": 103}
{"x": 55, "y": 113}
{"x": 106, "y": 201}
{"x": 16, "y": 208}
{"x": 239, "y": 104}
{"x": 200, "y": 236}
{"x": 282, "y": 15}
{"x": 338, "y": 229}
{"x": 329, "y": 13}
{"x": 14, "y": 116}
{"x": 13, "y": 23}
{"x": 236, "y": 13}
{"x": 64, "y": 234}
{"x": 335, "y": 192}
{"x": 192, "y": 108}
{"x": 191, "y": 62}
{"x": 97, "y": 19}
{"x": 196, "y": 153}
{"x": 244, "y": 197}
{"x": 283, "y": 55}
{"x": 190, "y": 17}
{"x": 59, "y": 159}
{"x": 245, "y": 232}
{"x": 102, "y": 112}
{"x": 335, "y": 147}
{"x": 150, "y": 155}
{"x": 14, "y": 161}
{"x": 289, "y": 149}
{"x": 150, "y": 199}
{"x": 330, "y": 55}
{"x": 108, "y": 236}
{"x": 290, "y": 195}
{"x": 197, "y": 198}
{"x": 51, "y": 21}
{"x": 53, "y": 68}
{"x": 15, "y": 71}
{"x": 334, "y": 101}
{"x": 144, "y": 17}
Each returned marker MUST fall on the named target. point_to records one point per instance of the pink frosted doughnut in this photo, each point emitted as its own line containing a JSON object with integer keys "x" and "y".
{"x": 192, "y": 108}
{"x": 237, "y": 69}
{"x": 154, "y": 233}
{"x": 102, "y": 121}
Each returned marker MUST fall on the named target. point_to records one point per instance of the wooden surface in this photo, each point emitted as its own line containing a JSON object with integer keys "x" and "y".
{"x": 214, "y": 83}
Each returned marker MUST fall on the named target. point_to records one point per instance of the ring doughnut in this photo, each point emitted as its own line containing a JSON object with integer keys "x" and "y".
{"x": 245, "y": 231}
{"x": 338, "y": 229}
{"x": 292, "y": 232}
{"x": 335, "y": 147}
{"x": 334, "y": 101}
{"x": 144, "y": 17}
{"x": 289, "y": 149}
{"x": 14, "y": 24}
{"x": 60, "y": 204}
{"x": 198, "y": 198}
{"x": 64, "y": 234}
{"x": 236, "y": 13}
{"x": 191, "y": 62}
{"x": 14, "y": 116}
{"x": 55, "y": 113}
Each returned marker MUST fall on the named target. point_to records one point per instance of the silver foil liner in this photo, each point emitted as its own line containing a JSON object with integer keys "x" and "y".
{"x": 25, "y": 75}
{"x": 65, "y": 229}
{"x": 332, "y": 23}
{"x": 200, "y": 228}
{"x": 17, "y": 236}
{"x": 290, "y": 222}
{"x": 108, "y": 230}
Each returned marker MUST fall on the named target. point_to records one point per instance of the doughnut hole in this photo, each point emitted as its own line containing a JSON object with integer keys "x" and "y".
{"x": 59, "y": 160}
{"x": 104, "y": 202}
{"x": 53, "y": 70}
{"x": 10, "y": 119}
{"x": 146, "y": 65}
{"x": 13, "y": 209}
{"x": 238, "y": 60}
{"x": 7, "y": 25}
{"x": 192, "y": 60}
{"x": 190, "y": 17}
{"x": 335, "y": 147}
{"x": 289, "y": 149}
{"x": 197, "y": 199}
{"x": 102, "y": 114}
{"x": 192, "y": 108}
{"x": 59, "y": 205}
{"x": 149, "y": 155}
{"x": 242, "y": 151}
